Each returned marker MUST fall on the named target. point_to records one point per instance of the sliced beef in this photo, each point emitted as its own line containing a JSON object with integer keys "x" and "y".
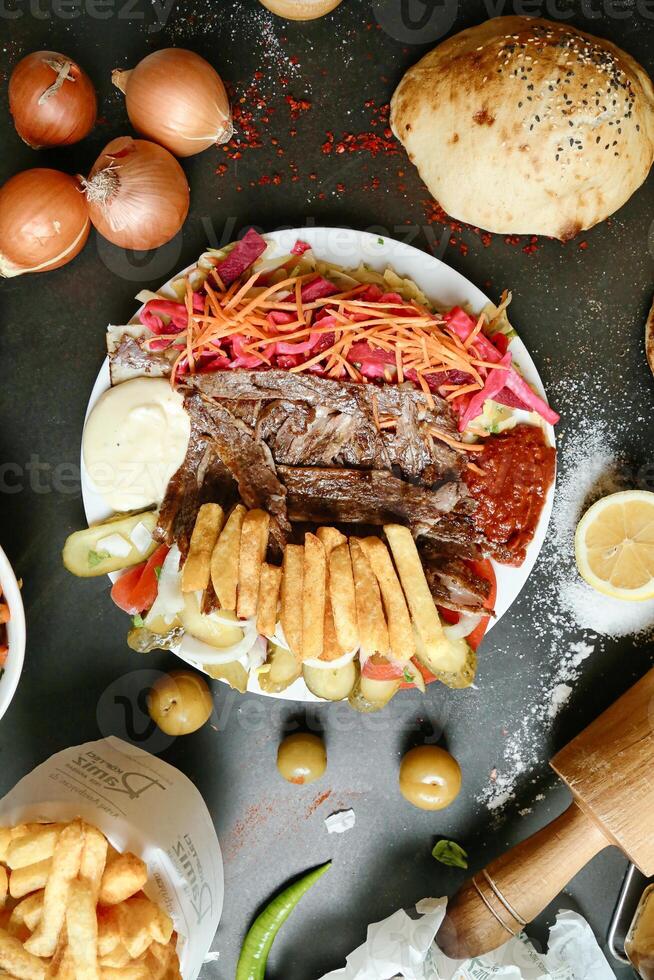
{"x": 247, "y": 458}
{"x": 456, "y": 585}
{"x": 202, "y": 478}
{"x": 455, "y": 534}
{"x": 325, "y": 494}
{"x": 128, "y": 359}
{"x": 317, "y": 421}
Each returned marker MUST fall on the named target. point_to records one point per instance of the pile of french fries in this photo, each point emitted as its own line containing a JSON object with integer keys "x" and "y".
{"x": 331, "y": 595}
{"x": 72, "y": 908}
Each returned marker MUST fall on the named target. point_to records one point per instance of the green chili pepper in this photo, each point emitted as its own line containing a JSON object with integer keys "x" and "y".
{"x": 262, "y": 932}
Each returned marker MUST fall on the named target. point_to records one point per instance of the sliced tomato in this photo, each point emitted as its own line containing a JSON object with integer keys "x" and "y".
{"x": 378, "y": 668}
{"x": 136, "y": 590}
{"x": 483, "y": 567}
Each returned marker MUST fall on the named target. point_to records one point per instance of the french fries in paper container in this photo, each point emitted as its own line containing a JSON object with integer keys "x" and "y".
{"x": 109, "y": 868}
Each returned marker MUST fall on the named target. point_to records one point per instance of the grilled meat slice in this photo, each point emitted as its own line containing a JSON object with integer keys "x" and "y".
{"x": 325, "y": 494}
{"x": 343, "y": 428}
{"x": 247, "y": 458}
{"x": 201, "y": 478}
{"x": 455, "y": 586}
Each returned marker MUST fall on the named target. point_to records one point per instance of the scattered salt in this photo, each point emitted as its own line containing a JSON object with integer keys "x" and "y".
{"x": 568, "y": 622}
{"x": 560, "y": 696}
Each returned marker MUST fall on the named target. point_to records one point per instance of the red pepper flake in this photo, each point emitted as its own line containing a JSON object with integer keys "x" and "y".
{"x": 583, "y": 245}
{"x": 370, "y": 142}
{"x": 340, "y": 188}
{"x": 277, "y": 179}
{"x": 294, "y": 60}
{"x": 297, "y": 106}
{"x": 221, "y": 169}
{"x": 292, "y": 132}
{"x": 258, "y": 75}
{"x": 313, "y": 176}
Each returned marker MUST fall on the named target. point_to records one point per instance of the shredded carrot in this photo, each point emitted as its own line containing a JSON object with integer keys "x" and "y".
{"x": 473, "y": 333}
{"x": 466, "y": 447}
{"x": 418, "y": 343}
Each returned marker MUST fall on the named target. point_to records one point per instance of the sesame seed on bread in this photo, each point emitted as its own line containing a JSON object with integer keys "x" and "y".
{"x": 525, "y": 126}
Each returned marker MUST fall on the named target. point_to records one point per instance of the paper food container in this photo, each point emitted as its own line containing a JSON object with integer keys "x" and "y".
{"x": 143, "y": 805}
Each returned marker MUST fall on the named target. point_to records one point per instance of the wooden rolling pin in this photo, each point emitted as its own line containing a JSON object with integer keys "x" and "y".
{"x": 610, "y": 770}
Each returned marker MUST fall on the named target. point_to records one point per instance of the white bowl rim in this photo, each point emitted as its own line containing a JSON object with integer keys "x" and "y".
{"x": 16, "y": 633}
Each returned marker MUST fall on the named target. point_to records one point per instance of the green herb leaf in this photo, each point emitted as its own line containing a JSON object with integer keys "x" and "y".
{"x": 138, "y": 620}
{"x": 449, "y": 853}
{"x": 157, "y": 571}
{"x": 408, "y": 676}
{"x": 95, "y": 557}
{"x": 380, "y": 241}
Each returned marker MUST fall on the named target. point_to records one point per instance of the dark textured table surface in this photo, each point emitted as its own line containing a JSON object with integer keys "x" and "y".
{"x": 579, "y": 307}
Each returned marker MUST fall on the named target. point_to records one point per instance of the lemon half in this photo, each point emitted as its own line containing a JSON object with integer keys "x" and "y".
{"x": 614, "y": 545}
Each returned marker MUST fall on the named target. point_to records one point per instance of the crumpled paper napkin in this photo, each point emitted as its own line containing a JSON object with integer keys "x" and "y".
{"x": 401, "y": 946}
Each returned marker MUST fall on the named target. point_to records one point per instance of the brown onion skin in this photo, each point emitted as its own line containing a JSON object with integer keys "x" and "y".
{"x": 185, "y": 72}
{"x": 171, "y": 209}
{"x": 25, "y": 234}
{"x": 66, "y": 117}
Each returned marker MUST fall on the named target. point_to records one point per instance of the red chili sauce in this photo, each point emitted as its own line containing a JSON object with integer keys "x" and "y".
{"x": 518, "y": 470}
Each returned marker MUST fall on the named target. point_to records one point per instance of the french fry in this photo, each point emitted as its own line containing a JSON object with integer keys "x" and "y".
{"x": 65, "y": 866}
{"x": 343, "y": 598}
{"x": 28, "y": 911}
{"x": 291, "y": 614}
{"x": 119, "y": 956}
{"x": 314, "y": 583}
{"x": 269, "y": 585}
{"x": 135, "y": 971}
{"x": 29, "y": 879}
{"x": 82, "y": 930}
{"x": 373, "y": 631}
{"x": 4, "y": 886}
{"x": 224, "y": 560}
{"x": 254, "y": 543}
{"x": 330, "y": 537}
{"x": 197, "y": 567}
{"x": 17, "y": 961}
{"x": 416, "y": 589}
{"x": 137, "y": 920}
{"x": 122, "y": 878}
{"x": 108, "y": 932}
{"x": 36, "y": 845}
{"x": 400, "y": 632}
{"x": 61, "y": 965}
{"x": 94, "y": 859}
{"x": 5, "y": 840}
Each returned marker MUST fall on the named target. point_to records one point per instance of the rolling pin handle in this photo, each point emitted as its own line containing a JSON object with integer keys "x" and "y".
{"x": 499, "y": 901}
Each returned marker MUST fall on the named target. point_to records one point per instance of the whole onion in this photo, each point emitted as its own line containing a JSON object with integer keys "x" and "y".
{"x": 300, "y": 9}
{"x": 177, "y": 99}
{"x": 51, "y": 99}
{"x": 137, "y": 194}
{"x": 44, "y": 221}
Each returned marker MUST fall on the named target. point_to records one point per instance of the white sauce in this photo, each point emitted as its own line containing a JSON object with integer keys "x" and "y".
{"x": 134, "y": 440}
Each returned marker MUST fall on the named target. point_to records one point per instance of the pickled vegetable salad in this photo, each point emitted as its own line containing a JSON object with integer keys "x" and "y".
{"x": 300, "y": 314}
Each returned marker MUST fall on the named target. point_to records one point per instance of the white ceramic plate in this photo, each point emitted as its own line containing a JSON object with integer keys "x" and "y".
{"x": 443, "y": 286}
{"x": 15, "y": 633}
